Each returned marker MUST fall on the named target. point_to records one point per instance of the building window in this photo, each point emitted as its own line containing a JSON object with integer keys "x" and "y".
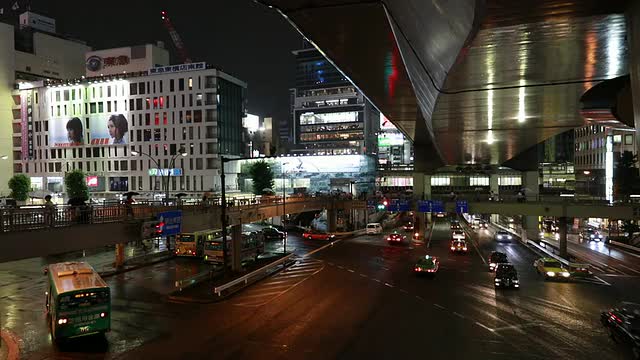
{"x": 628, "y": 139}
{"x": 141, "y": 88}
{"x": 181, "y": 85}
{"x": 199, "y": 164}
{"x": 440, "y": 181}
{"x": 171, "y": 85}
{"x": 190, "y": 83}
{"x": 133, "y": 89}
{"x": 198, "y": 99}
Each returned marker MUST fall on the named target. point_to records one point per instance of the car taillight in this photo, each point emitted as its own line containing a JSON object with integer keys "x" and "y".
{"x": 465, "y": 249}
{"x": 615, "y": 318}
{"x": 416, "y": 234}
{"x": 62, "y": 321}
{"x": 418, "y": 269}
{"x": 103, "y": 314}
{"x": 453, "y": 248}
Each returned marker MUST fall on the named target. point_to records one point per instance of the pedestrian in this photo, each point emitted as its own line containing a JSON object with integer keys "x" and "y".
{"x": 128, "y": 205}
{"x": 49, "y": 210}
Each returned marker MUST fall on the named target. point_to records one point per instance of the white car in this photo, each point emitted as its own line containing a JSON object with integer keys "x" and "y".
{"x": 374, "y": 228}
{"x": 458, "y": 234}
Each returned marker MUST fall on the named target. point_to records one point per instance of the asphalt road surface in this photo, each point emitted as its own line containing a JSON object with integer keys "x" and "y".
{"x": 357, "y": 299}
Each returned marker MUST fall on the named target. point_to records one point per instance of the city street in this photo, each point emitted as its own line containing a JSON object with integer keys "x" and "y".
{"x": 356, "y": 299}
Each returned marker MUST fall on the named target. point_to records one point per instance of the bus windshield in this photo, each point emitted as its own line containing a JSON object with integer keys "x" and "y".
{"x": 86, "y": 299}
{"x": 186, "y": 238}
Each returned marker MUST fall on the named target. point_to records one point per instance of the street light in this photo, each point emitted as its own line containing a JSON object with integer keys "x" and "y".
{"x": 587, "y": 172}
{"x": 284, "y": 199}
{"x": 182, "y": 152}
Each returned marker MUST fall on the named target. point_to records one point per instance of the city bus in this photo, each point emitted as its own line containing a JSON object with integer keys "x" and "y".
{"x": 192, "y": 244}
{"x": 78, "y": 301}
{"x": 252, "y": 247}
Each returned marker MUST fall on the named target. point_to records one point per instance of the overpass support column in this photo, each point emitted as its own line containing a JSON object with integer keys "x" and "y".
{"x": 332, "y": 220}
{"x": 562, "y": 232}
{"x": 236, "y": 248}
{"x": 531, "y": 188}
{"x": 422, "y": 191}
{"x": 493, "y": 184}
{"x": 633, "y": 36}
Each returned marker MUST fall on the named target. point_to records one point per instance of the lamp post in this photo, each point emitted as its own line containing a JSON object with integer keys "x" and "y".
{"x": 165, "y": 182}
{"x": 284, "y": 199}
{"x": 587, "y": 172}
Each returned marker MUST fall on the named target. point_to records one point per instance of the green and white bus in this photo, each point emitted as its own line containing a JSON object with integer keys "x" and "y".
{"x": 78, "y": 302}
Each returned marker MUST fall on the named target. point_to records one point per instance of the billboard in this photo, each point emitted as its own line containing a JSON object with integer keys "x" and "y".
{"x": 103, "y": 130}
{"x": 109, "y": 129}
{"x": 390, "y": 139}
{"x": 67, "y": 131}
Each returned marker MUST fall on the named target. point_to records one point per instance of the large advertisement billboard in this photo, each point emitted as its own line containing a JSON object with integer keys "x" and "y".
{"x": 103, "y": 130}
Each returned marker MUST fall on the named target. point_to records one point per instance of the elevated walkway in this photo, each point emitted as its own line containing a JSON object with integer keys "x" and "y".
{"x": 32, "y": 232}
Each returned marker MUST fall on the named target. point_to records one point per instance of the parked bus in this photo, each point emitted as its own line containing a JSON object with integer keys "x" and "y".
{"x": 252, "y": 247}
{"x": 78, "y": 301}
{"x": 192, "y": 244}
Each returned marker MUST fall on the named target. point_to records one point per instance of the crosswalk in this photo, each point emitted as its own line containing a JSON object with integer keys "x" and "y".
{"x": 275, "y": 286}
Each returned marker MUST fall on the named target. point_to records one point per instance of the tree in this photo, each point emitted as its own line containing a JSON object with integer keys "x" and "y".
{"x": 20, "y": 186}
{"x": 626, "y": 175}
{"x": 76, "y": 184}
{"x": 262, "y": 177}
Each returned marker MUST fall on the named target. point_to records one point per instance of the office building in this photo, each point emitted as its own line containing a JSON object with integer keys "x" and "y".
{"x": 330, "y": 116}
{"x": 597, "y": 149}
{"x": 127, "y": 131}
{"x": 30, "y": 51}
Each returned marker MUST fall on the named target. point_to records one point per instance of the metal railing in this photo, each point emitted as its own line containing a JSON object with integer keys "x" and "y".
{"x": 263, "y": 271}
{"x": 196, "y": 279}
{"x": 28, "y": 218}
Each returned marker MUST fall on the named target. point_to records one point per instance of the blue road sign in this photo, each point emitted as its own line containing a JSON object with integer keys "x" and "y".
{"x": 172, "y": 222}
{"x": 424, "y": 206}
{"x": 404, "y": 205}
{"x": 462, "y": 207}
{"x": 438, "y": 206}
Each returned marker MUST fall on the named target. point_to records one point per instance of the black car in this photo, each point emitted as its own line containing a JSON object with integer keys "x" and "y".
{"x": 271, "y": 234}
{"x": 506, "y": 276}
{"x": 496, "y": 258}
{"x": 623, "y": 323}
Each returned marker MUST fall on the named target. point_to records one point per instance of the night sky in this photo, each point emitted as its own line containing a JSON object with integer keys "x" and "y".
{"x": 245, "y": 39}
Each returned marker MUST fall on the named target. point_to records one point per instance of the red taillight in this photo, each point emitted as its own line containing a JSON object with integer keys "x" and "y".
{"x": 418, "y": 269}
{"x": 615, "y": 318}
{"x": 453, "y": 248}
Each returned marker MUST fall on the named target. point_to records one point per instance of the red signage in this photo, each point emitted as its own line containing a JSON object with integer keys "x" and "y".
{"x": 92, "y": 181}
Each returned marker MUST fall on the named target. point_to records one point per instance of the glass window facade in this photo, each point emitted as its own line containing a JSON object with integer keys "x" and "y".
{"x": 231, "y": 110}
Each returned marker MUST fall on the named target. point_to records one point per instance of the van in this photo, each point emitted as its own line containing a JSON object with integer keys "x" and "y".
{"x": 374, "y": 228}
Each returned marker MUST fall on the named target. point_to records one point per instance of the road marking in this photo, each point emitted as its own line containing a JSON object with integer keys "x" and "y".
{"x": 517, "y": 327}
{"x": 439, "y": 306}
{"x": 484, "y": 326}
{"x": 389, "y": 285}
{"x": 351, "y": 271}
{"x": 376, "y": 280}
{"x": 419, "y": 298}
{"x": 340, "y": 267}
{"x": 320, "y": 248}
{"x": 404, "y": 291}
{"x": 330, "y": 263}
{"x": 363, "y": 275}
{"x": 433, "y": 225}
{"x": 474, "y": 245}
{"x": 606, "y": 283}
{"x": 458, "y": 315}
{"x": 628, "y": 268}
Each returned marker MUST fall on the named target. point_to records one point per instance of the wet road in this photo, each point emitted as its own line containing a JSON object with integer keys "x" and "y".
{"x": 354, "y": 300}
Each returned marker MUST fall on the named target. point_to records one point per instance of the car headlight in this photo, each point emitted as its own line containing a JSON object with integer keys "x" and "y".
{"x": 498, "y": 280}
{"x": 499, "y": 236}
{"x": 592, "y": 236}
{"x": 565, "y": 274}
{"x": 600, "y": 236}
{"x": 551, "y": 273}
{"x": 510, "y": 237}
{"x": 541, "y": 234}
{"x": 492, "y": 265}
{"x": 516, "y": 281}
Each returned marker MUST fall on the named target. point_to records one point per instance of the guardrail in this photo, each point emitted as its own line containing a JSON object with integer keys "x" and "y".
{"x": 576, "y": 269}
{"x": 196, "y": 279}
{"x": 623, "y": 245}
{"x": 264, "y": 271}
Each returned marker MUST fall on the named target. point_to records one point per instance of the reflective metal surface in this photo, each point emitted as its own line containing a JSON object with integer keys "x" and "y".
{"x": 491, "y": 78}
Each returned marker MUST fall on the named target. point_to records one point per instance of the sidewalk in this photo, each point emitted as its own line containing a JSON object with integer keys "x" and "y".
{"x": 103, "y": 259}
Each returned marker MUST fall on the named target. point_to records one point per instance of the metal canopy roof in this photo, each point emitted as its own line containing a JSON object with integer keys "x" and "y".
{"x": 470, "y": 81}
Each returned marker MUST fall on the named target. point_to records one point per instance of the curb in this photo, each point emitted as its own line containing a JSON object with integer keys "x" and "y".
{"x": 160, "y": 258}
{"x": 13, "y": 351}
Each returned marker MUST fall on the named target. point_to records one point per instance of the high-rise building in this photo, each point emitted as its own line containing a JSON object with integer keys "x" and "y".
{"x": 29, "y": 52}
{"x": 330, "y": 116}
{"x": 597, "y": 149}
{"x": 127, "y": 132}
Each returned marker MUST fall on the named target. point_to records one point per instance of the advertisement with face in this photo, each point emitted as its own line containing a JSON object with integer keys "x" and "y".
{"x": 65, "y": 132}
{"x": 109, "y": 130}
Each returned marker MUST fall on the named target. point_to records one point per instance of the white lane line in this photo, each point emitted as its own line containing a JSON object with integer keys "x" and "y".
{"x": 330, "y": 263}
{"x": 320, "y": 248}
{"x": 484, "y": 326}
{"x": 628, "y": 268}
{"x": 351, "y": 271}
{"x": 376, "y": 280}
{"x": 363, "y": 275}
{"x": 458, "y": 315}
{"x": 404, "y": 291}
{"x": 419, "y": 298}
{"x": 389, "y": 285}
{"x": 433, "y": 225}
{"x": 475, "y": 246}
{"x": 340, "y": 267}
{"x": 606, "y": 283}
{"x": 439, "y": 306}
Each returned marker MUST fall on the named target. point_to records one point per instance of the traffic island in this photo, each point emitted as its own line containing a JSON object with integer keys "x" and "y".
{"x": 219, "y": 286}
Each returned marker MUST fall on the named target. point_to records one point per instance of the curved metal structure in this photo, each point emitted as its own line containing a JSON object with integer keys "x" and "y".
{"x": 470, "y": 81}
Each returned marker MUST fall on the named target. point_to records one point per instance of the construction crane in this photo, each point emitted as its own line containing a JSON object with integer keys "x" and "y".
{"x": 177, "y": 41}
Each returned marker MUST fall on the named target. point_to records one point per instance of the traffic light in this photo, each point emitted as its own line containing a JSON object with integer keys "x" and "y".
{"x": 383, "y": 205}
{"x": 159, "y": 228}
